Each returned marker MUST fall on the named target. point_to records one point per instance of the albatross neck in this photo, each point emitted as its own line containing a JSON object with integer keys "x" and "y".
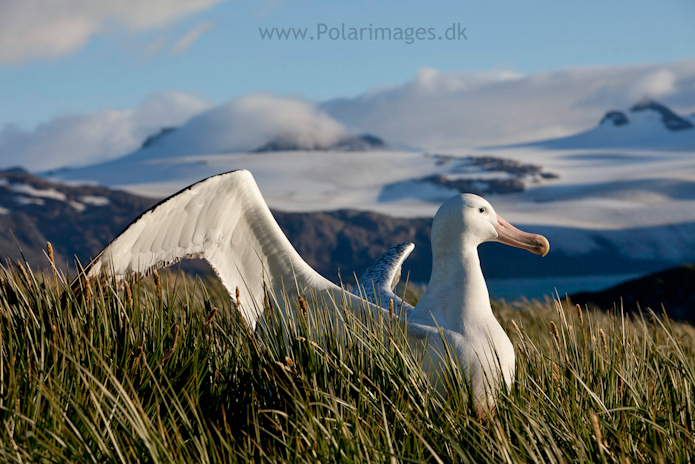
{"x": 457, "y": 294}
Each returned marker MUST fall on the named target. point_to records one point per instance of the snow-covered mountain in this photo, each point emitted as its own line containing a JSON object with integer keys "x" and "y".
{"x": 616, "y": 199}
{"x": 399, "y": 183}
{"x": 254, "y": 124}
{"x": 576, "y": 186}
{"x": 648, "y": 125}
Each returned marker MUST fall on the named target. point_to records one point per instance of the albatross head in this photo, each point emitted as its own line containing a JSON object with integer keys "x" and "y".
{"x": 468, "y": 220}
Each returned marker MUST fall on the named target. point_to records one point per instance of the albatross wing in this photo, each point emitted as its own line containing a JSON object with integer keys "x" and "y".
{"x": 225, "y": 220}
{"x": 379, "y": 281}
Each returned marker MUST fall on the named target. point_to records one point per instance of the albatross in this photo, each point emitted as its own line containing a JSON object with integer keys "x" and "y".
{"x": 225, "y": 220}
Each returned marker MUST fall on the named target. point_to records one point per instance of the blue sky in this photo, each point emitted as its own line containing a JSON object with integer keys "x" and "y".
{"x": 122, "y": 59}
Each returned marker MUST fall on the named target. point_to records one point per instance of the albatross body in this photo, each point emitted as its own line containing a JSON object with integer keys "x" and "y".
{"x": 457, "y": 297}
{"x": 224, "y": 220}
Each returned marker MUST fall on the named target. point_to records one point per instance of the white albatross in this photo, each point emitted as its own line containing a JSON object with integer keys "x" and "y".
{"x": 224, "y": 220}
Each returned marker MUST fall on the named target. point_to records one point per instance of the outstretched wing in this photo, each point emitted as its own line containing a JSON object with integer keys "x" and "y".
{"x": 379, "y": 281}
{"x": 224, "y": 220}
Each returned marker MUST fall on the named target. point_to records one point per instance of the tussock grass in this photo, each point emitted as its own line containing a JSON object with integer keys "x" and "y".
{"x": 172, "y": 374}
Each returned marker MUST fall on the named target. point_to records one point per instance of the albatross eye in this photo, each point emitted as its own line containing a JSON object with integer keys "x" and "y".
{"x": 481, "y": 209}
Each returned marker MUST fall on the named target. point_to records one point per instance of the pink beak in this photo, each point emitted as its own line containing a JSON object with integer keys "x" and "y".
{"x": 510, "y": 235}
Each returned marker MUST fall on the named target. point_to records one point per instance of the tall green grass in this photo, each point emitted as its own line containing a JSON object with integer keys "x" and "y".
{"x": 175, "y": 376}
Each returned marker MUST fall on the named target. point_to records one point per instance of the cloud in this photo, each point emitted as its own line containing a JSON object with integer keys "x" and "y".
{"x": 247, "y": 122}
{"x": 31, "y": 29}
{"x": 73, "y": 140}
{"x": 434, "y": 110}
{"x": 191, "y": 36}
{"x": 242, "y": 124}
{"x": 167, "y": 109}
{"x": 269, "y": 7}
{"x": 657, "y": 84}
{"x": 444, "y": 110}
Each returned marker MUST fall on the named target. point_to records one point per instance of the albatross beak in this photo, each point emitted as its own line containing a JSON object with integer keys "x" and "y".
{"x": 510, "y": 235}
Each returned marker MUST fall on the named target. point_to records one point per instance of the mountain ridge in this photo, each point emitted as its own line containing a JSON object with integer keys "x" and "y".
{"x": 650, "y": 125}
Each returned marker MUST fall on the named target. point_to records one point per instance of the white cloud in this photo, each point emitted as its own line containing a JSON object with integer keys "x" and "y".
{"x": 269, "y": 7}
{"x": 191, "y": 36}
{"x": 434, "y": 110}
{"x": 32, "y": 29}
{"x": 80, "y": 139}
{"x": 657, "y": 84}
{"x": 440, "y": 110}
{"x": 242, "y": 124}
{"x": 167, "y": 109}
{"x": 247, "y": 122}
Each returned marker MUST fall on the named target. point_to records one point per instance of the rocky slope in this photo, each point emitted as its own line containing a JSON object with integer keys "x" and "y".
{"x": 364, "y": 142}
{"x": 482, "y": 175}
{"x": 78, "y": 221}
{"x": 673, "y": 288}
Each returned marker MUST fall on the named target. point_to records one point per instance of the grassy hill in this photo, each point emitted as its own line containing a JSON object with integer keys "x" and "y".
{"x": 171, "y": 374}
